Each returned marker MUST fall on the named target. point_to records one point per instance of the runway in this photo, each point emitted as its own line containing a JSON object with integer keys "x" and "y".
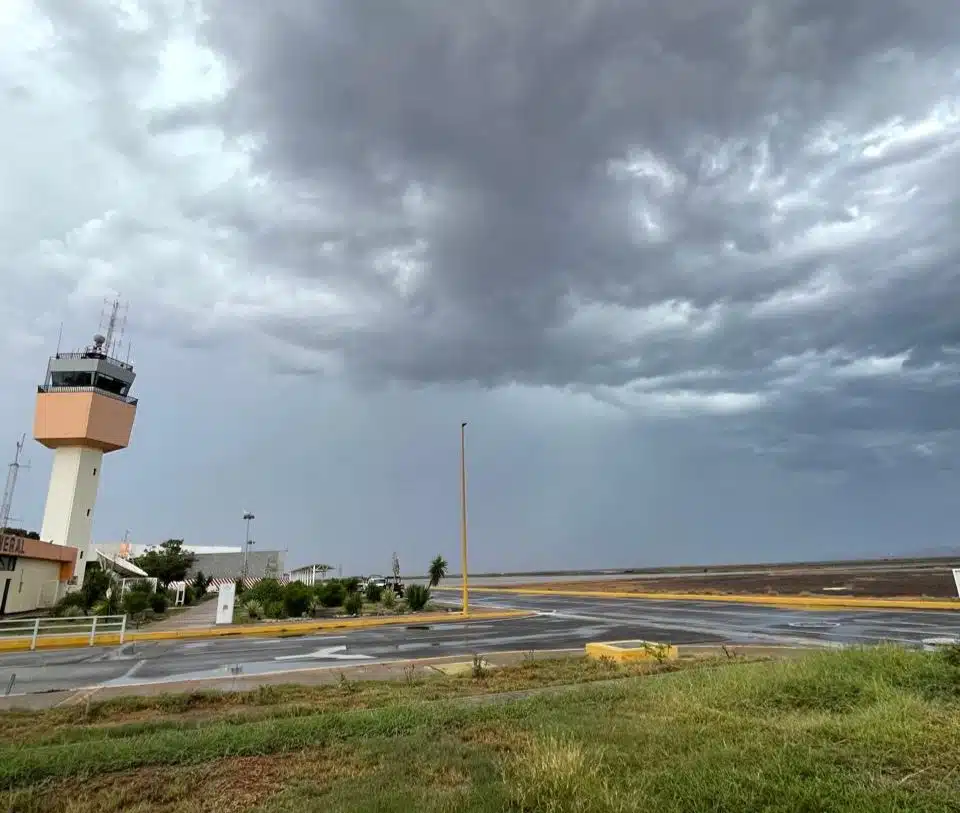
{"x": 561, "y": 622}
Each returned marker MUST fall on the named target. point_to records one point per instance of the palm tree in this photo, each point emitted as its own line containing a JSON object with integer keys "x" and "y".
{"x": 438, "y": 570}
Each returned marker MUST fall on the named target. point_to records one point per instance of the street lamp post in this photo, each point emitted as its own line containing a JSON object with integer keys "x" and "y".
{"x": 248, "y": 517}
{"x": 463, "y": 515}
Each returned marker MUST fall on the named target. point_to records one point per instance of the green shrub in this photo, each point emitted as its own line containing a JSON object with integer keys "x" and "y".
{"x": 159, "y": 603}
{"x": 389, "y": 598}
{"x": 96, "y": 583}
{"x": 253, "y": 609}
{"x": 274, "y": 609}
{"x": 189, "y": 596}
{"x": 296, "y": 599}
{"x": 353, "y": 604}
{"x": 373, "y": 592}
{"x": 351, "y": 585}
{"x": 201, "y": 584}
{"x": 71, "y": 604}
{"x": 417, "y": 596}
{"x": 332, "y": 594}
{"x": 267, "y": 591}
{"x": 136, "y": 602}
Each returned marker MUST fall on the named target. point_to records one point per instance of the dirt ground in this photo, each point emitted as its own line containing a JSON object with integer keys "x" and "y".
{"x": 933, "y": 582}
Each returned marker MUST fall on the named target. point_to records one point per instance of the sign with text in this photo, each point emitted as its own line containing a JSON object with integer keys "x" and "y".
{"x": 7, "y": 563}
{"x": 11, "y": 544}
{"x": 226, "y": 598}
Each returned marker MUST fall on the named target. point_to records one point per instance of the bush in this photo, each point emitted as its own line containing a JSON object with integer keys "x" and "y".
{"x": 159, "y": 603}
{"x": 373, "y": 592}
{"x": 417, "y": 596}
{"x": 201, "y": 584}
{"x": 189, "y": 596}
{"x": 96, "y": 583}
{"x": 253, "y": 609}
{"x": 352, "y": 585}
{"x": 296, "y": 599}
{"x": 331, "y": 594}
{"x": 266, "y": 591}
{"x": 136, "y": 602}
{"x": 389, "y": 598}
{"x": 274, "y": 609}
{"x": 71, "y": 604}
{"x": 354, "y": 604}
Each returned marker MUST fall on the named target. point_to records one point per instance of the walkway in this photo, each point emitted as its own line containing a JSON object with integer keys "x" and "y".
{"x": 203, "y": 614}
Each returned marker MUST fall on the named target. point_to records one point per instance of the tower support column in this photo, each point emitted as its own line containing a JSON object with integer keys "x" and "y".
{"x": 71, "y": 497}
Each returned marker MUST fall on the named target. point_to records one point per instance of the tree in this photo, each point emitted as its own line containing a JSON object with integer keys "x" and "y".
{"x": 395, "y": 566}
{"x": 96, "y": 584}
{"x": 168, "y": 563}
{"x": 201, "y": 584}
{"x": 437, "y": 571}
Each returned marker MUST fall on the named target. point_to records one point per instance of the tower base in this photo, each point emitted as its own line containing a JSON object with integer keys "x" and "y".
{"x": 68, "y": 514}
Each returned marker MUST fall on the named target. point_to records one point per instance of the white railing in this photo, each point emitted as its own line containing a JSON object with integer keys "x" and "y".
{"x": 35, "y": 629}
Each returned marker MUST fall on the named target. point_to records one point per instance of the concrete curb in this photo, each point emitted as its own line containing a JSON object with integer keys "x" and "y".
{"x": 281, "y": 630}
{"x": 808, "y": 602}
{"x": 630, "y": 651}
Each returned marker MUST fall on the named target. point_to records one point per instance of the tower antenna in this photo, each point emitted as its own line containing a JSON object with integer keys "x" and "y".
{"x": 13, "y": 471}
{"x": 111, "y": 326}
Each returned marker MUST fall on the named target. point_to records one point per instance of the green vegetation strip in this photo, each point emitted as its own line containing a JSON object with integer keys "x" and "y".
{"x": 860, "y": 730}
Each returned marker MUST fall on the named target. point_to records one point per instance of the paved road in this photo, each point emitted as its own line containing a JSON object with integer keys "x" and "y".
{"x": 562, "y": 622}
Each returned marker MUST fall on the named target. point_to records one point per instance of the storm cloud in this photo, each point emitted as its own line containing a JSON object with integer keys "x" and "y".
{"x": 729, "y": 215}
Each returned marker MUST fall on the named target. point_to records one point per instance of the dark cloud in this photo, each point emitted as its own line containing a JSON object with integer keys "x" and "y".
{"x": 714, "y": 206}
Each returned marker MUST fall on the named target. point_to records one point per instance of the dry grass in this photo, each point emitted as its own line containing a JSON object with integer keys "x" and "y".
{"x": 861, "y": 731}
{"x": 159, "y": 711}
{"x": 230, "y": 785}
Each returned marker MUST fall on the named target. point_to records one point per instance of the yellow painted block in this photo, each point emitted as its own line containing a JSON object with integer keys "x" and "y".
{"x": 625, "y": 651}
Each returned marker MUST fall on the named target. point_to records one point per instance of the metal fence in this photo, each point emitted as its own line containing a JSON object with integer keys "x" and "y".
{"x": 36, "y": 629}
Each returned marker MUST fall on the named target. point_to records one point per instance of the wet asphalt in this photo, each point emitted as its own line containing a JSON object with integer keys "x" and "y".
{"x": 560, "y": 622}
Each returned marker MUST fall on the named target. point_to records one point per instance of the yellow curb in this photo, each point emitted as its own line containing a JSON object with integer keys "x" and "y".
{"x": 274, "y": 630}
{"x": 624, "y": 651}
{"x": 810, "y": 602}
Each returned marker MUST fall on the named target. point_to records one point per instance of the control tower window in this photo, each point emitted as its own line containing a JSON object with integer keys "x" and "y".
{"x": 71, "y": 378}
{"x": 109, "y": 384}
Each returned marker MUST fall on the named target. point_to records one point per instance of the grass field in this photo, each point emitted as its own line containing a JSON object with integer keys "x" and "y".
{"x": 860, "y": 730}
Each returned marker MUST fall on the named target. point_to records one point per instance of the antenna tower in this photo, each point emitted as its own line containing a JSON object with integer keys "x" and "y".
{"x": 114, "y": 321}
{"x": 13, "y": 471}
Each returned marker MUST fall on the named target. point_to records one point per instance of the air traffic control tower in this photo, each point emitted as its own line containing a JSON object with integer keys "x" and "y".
{"x": 84, "y": 410}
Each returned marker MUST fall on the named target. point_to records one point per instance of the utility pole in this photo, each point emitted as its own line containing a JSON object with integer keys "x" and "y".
{"x": 248, "y": 517}
{"x": 13, "y": 471}
{"x": 463, "y": 515}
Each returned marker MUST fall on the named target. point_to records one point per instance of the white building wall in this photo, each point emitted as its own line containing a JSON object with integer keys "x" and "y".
{"x": 71, "y": 497}
{"x": 30, "y": 579}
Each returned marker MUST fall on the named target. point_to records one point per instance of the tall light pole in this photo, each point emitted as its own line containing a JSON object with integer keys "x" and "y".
{"x": 463, "y": 515}
{"x": 248, "y": 517}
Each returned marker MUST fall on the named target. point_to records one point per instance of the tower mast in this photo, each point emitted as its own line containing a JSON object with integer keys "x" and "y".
{"x": 13, "y": 471}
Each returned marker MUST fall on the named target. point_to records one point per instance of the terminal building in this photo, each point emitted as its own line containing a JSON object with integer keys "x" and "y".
{"x": 32, "y": 573}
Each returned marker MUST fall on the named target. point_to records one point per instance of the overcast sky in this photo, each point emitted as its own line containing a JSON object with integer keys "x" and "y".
{"x": 689, "y": 270}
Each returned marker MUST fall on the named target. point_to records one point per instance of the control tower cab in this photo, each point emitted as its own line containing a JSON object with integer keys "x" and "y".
{"x": 84, "y": 409}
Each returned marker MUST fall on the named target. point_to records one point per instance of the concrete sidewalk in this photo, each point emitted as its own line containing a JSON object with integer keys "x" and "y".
{"x": 198, "y": 616}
